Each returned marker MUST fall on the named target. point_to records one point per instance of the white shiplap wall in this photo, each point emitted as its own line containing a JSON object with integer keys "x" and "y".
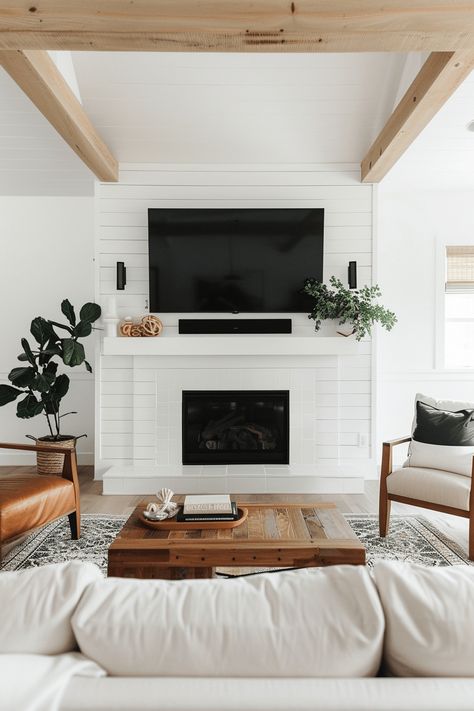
{"x": 138, "y": 398}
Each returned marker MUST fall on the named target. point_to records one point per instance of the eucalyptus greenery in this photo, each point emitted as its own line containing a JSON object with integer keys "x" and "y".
{"x": 38, "y": 384}
{"x": 354, "y": 306}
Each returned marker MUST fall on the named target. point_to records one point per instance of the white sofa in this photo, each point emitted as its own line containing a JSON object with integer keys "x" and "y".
{"x": 322, "y": 640}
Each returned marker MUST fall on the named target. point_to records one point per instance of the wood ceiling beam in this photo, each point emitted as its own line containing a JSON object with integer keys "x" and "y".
{"x": 35, "y": 72}
{"x": 436, "y": 81}
{"x": 238, "y": 25}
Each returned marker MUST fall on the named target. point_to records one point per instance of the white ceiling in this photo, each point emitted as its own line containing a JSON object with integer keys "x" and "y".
{"x": 442, "y": 157}
{"x": 237, "y": 108}
{"x": 233, "y": 108}
{"x": 203, "y": 108}
{"x": 34, "y": 160}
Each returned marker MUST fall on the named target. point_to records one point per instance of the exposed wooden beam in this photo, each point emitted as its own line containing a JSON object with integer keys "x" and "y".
{"x": 438, "y": 78}
{"x": 238, "y": 25}
{"x": 35, "y": 72}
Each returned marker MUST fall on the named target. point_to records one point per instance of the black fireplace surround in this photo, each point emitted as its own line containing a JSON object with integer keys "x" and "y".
{"x": 235, "y": 426}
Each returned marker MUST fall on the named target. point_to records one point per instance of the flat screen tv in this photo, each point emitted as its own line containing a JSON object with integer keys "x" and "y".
{"x": 233, "y": 260}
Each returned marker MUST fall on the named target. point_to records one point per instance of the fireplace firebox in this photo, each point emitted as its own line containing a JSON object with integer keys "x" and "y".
{"x": 235, "y": 426}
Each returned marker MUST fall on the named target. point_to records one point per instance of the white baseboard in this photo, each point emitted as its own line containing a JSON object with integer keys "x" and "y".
{"x": 27, "y": 459}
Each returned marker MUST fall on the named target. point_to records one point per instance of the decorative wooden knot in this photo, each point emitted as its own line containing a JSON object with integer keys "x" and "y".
{"x": 148, "y": 326}
{"x": 126, "y": 328}
{"x": 151, "y": 326}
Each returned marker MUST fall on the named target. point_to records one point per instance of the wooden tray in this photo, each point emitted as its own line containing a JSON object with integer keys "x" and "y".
{"x": 173, "y": 525}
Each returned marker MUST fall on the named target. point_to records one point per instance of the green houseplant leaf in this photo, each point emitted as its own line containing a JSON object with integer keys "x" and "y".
{"x": 53, "y": 397}
{"x": 83, "y": 329}
{"x": 68, "y": 310}
{"x": 22, "y": 377}
{"x": 43, "y": 382}
{"x": 9, "y": 394}
{"x": 41, "y": 330}
{"x": 73, "y": 352}
{"x": 90, "y": 312}
{"x": 29, "y": 407}
{"x": 28, "y": 352}
{"x": 61, "y": 386}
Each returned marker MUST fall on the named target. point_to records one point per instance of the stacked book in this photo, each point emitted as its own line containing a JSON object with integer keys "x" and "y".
{"x": 208, "y": 508}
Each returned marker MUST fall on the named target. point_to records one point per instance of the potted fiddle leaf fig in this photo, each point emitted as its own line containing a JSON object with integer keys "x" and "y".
{"x": 355, "y": 307}
{"x": 39, "y": 387}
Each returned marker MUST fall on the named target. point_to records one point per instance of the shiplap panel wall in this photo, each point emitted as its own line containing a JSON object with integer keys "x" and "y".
{"x": 139, "y": 397}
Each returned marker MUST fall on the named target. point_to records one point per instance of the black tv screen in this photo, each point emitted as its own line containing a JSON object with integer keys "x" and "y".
{"x": 233, "y": 260}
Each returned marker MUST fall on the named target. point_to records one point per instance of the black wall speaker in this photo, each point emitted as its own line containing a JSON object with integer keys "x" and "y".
{"x": 121, "y": 276}
{"x": 352, "y": 275}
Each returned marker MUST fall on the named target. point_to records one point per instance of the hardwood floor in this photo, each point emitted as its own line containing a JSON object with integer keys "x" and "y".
{"x": 92, "y": 501}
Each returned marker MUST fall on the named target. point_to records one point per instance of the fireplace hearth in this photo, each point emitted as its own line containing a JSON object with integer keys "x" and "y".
{"x": 235, "y": 426}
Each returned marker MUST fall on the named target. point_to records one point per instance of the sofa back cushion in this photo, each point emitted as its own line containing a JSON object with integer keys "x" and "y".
{"x": 429, "y": 617}
{"x": 37, "y": 605}
{"x": 317, "y": 623}
{"x": 443, "y": 435}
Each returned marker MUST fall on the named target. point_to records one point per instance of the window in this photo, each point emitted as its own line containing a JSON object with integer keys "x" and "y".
{"x": 459, "y": 307}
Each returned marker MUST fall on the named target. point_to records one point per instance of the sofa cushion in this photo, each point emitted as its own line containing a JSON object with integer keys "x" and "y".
{"x": 318, "y": 623}
{"x": 452, "y": 458}
{"x": 37, "y": 605}
{"x": 429, "y": 615}
{"x": 431, "y": 485}
{"x": 37, "y": 682}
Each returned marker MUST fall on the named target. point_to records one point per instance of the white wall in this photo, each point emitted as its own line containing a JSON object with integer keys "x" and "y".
{"x": 332, "y": 424}
{"x": 46, "y": 255}
{"x": 414, "y": 227}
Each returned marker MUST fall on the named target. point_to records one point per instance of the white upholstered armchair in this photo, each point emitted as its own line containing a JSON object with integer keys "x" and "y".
{"x": 437, "y": 477}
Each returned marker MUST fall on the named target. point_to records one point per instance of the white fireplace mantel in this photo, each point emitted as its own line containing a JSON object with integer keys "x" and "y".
{"x": 174, "y": 344}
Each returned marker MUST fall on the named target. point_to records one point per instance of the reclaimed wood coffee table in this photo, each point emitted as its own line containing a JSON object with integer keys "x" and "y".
{"x": 274, "y": 535}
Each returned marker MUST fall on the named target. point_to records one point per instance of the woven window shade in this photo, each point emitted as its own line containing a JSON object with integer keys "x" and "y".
{"x": 460, "y": 269}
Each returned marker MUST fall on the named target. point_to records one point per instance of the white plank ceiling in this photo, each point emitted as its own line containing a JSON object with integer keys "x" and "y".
{"x": 233, "y": 108}
{"x": 237, "y": 108}
{"x": 442, "y": 157}
{"x": 203, "y": 108}
{"x": 34, "y": 160}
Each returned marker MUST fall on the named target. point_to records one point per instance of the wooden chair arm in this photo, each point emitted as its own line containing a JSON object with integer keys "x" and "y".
{"x": 387, "y": 455}
{"x": 395, "y": 442}
{"x": 36, "y": 448}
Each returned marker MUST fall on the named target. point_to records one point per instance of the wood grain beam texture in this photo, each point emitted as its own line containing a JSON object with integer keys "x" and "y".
{"x": 35, "y": 72}
{"x": 436, "y": 81}
{"x": 238, "y": 25}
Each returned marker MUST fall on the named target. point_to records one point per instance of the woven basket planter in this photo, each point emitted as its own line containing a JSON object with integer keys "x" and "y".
{"x": 53, "y": 463}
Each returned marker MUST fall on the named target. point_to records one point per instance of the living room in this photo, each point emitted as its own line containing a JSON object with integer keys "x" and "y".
{"x": 240, "y": 266}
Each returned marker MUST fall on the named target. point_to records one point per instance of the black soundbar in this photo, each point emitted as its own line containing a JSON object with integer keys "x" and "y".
{"x": 233, "y": 325}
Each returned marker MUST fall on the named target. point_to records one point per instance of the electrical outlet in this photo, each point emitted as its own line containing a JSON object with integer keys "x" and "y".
{"x": 363, "y": 440}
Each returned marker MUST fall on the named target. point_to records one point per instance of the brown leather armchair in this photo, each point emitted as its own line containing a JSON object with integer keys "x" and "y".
{"x": 29, "y": 501}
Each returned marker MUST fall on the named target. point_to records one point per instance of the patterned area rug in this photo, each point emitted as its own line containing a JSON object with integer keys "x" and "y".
{"x": 412, "y": 539}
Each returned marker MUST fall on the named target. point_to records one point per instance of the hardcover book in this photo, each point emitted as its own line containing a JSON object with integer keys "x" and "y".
{"x": 196, "y": 518}
{"x": 207, "y": 504}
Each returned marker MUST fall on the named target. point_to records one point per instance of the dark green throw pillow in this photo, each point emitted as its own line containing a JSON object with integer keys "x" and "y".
{"x": 435, "y": 426}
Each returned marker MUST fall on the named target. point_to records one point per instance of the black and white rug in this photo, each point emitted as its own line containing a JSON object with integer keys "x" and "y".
{"x": 412, "y": 539}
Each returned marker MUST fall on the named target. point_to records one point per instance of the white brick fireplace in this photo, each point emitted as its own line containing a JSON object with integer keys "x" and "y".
{"x": 140, "y": 381}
